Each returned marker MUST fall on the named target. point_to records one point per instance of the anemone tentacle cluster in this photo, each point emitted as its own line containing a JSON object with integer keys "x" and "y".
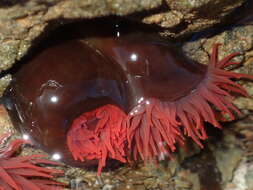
{"x": 154, "y": 131}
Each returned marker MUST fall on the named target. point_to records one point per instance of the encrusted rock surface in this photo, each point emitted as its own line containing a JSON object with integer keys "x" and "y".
{"x": 186, "y": 16}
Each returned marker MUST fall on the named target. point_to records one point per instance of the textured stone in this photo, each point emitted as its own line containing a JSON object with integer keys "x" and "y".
{"x": 201, "y": 14}
{"x": 167, "y": 20}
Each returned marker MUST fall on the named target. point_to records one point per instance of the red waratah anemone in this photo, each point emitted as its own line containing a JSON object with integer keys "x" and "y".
{"x": 24, "y": 172}
{"x": 157, "y": 126}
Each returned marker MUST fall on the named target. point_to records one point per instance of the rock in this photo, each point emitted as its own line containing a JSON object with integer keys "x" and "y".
{"x": 197, "y": 15}
{"x": 167, "y": 20}
{"x": 228, "y": 158}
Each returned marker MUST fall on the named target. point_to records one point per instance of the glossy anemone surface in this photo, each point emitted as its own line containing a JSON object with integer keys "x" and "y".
{"x": 118, "y": 94}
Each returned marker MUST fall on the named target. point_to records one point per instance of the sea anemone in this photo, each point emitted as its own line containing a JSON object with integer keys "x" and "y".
{"x": 127, "y": 96}
{"x": 156, "y": 126}
{"x": 25, "y": 172}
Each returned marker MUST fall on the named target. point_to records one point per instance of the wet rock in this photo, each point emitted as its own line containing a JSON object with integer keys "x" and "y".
{"x": 249, "y": 177}
{"x": 4, "y": 81}
{"x": 241, "y": 178}
{"x": 167, "y": 20}
{"x": 5, "y": 122}
{"x": 200, "y": 14}
{"x": 228, "y": 158}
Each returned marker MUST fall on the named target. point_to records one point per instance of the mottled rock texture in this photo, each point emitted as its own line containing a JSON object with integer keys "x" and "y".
{"x": 192, "y": 15}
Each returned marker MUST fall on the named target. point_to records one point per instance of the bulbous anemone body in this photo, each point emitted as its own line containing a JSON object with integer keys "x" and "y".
{"x": 153, "y": 67}
{"x": 71, "y": 78}
{"x": 119, "y": 96}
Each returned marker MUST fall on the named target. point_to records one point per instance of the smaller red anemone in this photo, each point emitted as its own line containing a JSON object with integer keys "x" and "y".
{"x": 23, "y": 172}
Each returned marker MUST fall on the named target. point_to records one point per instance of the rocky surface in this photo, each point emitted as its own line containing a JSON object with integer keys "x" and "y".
{"x": 24, "y": 22}
{"x": 186, "y": 16}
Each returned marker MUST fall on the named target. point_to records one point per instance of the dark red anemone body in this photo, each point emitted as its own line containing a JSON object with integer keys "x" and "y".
{"x": 122, "y": 97}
